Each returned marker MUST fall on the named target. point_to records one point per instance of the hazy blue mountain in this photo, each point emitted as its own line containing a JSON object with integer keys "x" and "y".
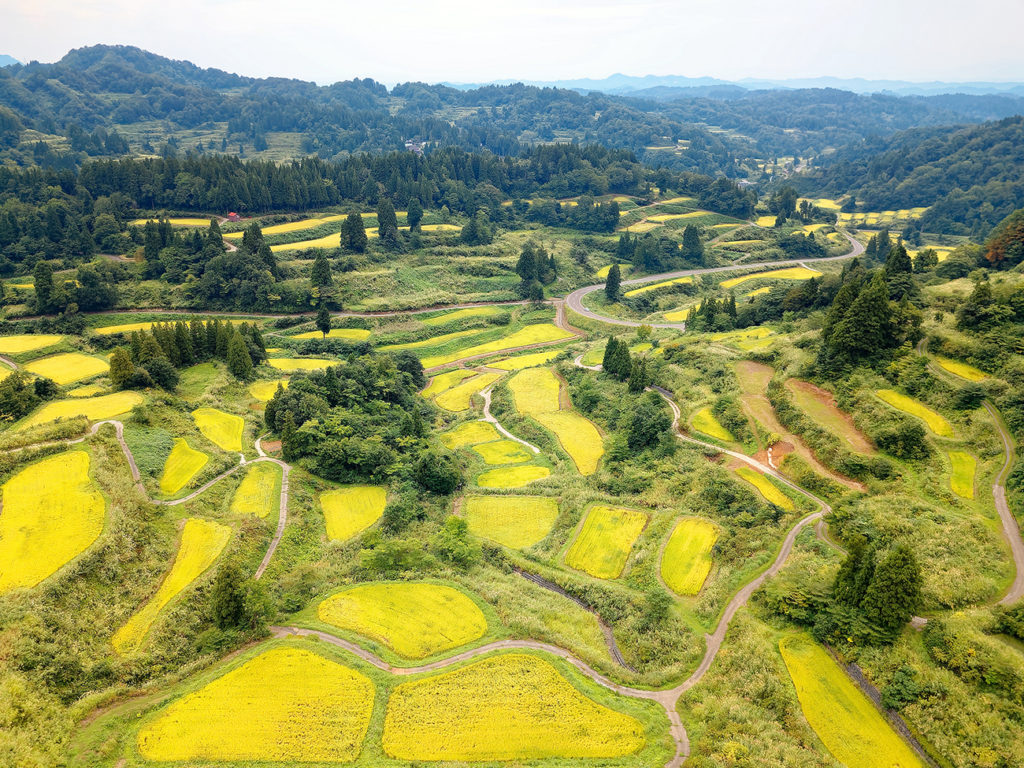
{"x": 6, "y": 61}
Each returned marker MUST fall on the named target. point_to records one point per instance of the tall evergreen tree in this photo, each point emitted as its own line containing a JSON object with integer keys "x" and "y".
{"x": 609, "y": 353}
{"x": 693, "y": 248}
{"x": 323, "y": 320}
{"x": 43, "y": 279}
{"x": 122, "y": 370}
{"x": 387, "y": 224}
{"x": 613, "y": 283}
{"x": 239, "y": 361}
{"x": 353, "y": 233}
{"x": 895, "y": 591}
{"x": 320, "y": 275}
{"x": 414, "y": 214}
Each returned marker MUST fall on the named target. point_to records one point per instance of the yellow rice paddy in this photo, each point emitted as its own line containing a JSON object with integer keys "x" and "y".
{"x": 935, "y": 421}
{"x": 525, "y": 361}
{"x": 349, "y": 511}
{"x": 789, "y": 273}
{"x": 89, "y": 390}
{"x": 291, "y": 226}
{"x": 351, "y": 334}
{"x": 511, "y": 477}
{"x": 124, "y": 328}
{"x": 222, "y": 429}
{"x": 603, "y": 544}
{"x": 265, "y": 390}
{"x": 704, "y": 421}
{"x": 300, "y": 363}
{"x": 686, "y": 562}
{"x": 459, "y": 397}
{"x": 433, "y": 341}
{"x": 531, "y": 334}
{"x": 578, "y": 437}
{"x": 656, "y": 286}
{"x": 68, "y": 367}
{"x": 516, "y": 522}
{"x": 27, "y": 342}
{"x": 469, "y": 433}
{"x": 766, "y": 488}
{"x": 535, "y": 390}
{"x": 963, "y": 370}
{"x": 181, "y": 466}
{"x": 259, "y": 491}
{"x": 503, "y": 452}
{"x": 92, "y": 408}
{"x": 184, "y": 221}
{"x": 462, "y": 314}
{"x": 962, "y": 479}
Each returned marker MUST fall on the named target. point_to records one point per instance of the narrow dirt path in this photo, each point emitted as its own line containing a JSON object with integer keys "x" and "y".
{"x": 491, "y": 419}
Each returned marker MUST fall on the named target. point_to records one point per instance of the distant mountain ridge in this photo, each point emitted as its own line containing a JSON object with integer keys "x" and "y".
{"x": 6, "y": 61}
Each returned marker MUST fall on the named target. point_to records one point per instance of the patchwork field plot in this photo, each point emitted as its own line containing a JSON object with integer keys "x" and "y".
{"x": 963, "y": 370}
{"x": 469, "y": 433}
{"x": 300, "y": 363}
{"x": 202, "y": 541}
{"x": 578, "y": 437}
{"x": 414, "y": 620}
{"x": 513, "y": 521}
{"x": 222, "y": 429}
{"x": 184, "y": 221}
{"x": 92, "y": 408}
{"x": 290, "y": 226}
{"x": 265, "y": 390}
{"x": 820, "y": 406}
{"x": 704, "y": 421}
{"x": 532, "y": 334}
{"x": 844, "y": 719}
{"x": 935, "y": 421}
{"x": 348, "y": 511}
{"x": 285, "y": 705}
{"x": 790, "y": 273}
{"x": 686, "y": 562}
{"x": 535, "y": 391}
{"x": 604, "y": 542}
{"x": 459, "y": 397}
{"x": 503, "y": 452}
{"x": 51, "y": 513}
{"x": 89, "y": 390}
{"x": 962, "y": 479}
{"x": 510, "y": 707}
{"x": 351, "y": 334}
{"x": 433, "y": 341}
{"x": 766, "y": 488}
{"x": 766, "y": 221}
{"x": 657, "y": 286}
{"x": 68, "y": 367}
{"x": 602, "y": 273}
{"x": 27, "y": 342}
{"x": 511, "y": 477}
{"x": 332, "y": 240}
{"x": 258, "y": 492}
{"x": 446, "y": 380}
{"x": 109, "y": 330}
{"x": 462, "y": 314}
{"x": 181, "y": 466}
{"x": 525, "y": 361}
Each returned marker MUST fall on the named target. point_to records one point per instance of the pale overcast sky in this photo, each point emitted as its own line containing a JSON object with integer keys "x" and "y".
{"x": 479, "y": 40}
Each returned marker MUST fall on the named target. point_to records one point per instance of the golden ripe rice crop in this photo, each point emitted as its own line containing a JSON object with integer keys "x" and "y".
{"x": 414, "y": 620}
{"x": 511, "y": 707}
{"x": 27, "y": 342}
{"x": 257, "y": 494}
{"x": 461, "y": 314}
{"x": 182, "y": 221}
{"x": 351, "y": 334}
{"x": 287, "y": 705}
{"x": 124, "y": 328}
{"x": 433, "y": 341}
{"x": 89, "y": 390}
{"x": 962, "y": 479}
{"x": 844, "y": 719}
{"x": 332, "y": 240}
{"x": 963, "y": 370}
{"x": 503, "y": 452}
{"x": 291, "y": 226}
{"x": 602, "y": 273}
{"x": 686, "y": 561}
{"x": 525, "y": 361}
{"x": 766, "y": 221}
{"x": 265, "y": 390}
{"x": 790, "y": 273}
{"x": 935, "y": 421}
{"x": 513, "y": 521}
{"x": 181, "y": 466}
{"x": 766, "y": 488}
{"x": 300, "y": 363}
{"x": 663, "y": 217}
{"x": 347, "y": 511}
{"x": 446, "y": 380}
{"x": 68, "y": 367}
{"x": 604, "y": 542}
{"x": 469, "y": 433}
{"x": 531, "y": 334}
{"x": 222, "y": 429}
{"x": 202, "y": 541}
{"x": 656, "y": 286}
{"x": 578, "y": 437}
{"x": 92, "y": 408}
{"x": 535, "y": 391}
{"x": 458, "y": 398}
{"x": 757, "y": 291}
{"x": 704, "y": 421}
{"x": 51, "y": 513}
{"x": 511, "y": 477}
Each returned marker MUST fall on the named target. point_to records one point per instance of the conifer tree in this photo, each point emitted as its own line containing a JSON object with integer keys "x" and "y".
{"x": 613, "y": 283}
{"x": 320, "y": 276}
{"x": 323, "y": 320}
{"x": 414, "y": 214}
{"x": 353, "y": 234}
{"x": 43, "y": 279}
{"x": 122, "y": 370}
{"x": 609, "y": 353}
{"x": 895, "y": 591}
{"x": 239, "y": 361}
{"x": 693, "y": 248}
{"x": 387, "y": 224}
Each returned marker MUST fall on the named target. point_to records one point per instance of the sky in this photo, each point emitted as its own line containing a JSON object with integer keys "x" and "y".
{"x": 483, "y": 40}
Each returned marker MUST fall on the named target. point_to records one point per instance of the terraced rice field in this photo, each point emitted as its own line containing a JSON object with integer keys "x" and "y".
{"x": 821, "y": 407}
{"x": 469, "y": 433}
{"x": 27, "y": 342}
{"x": 184, "y": 221}
{"x": 447, "y": 380}
{"x": 765, "y": 221}
{"x": 602, "y": 273}
{"x": 459, "y": 397}
{"x": 350, "y": 334}
{"x": 844, "y": 719}
{"x": 51, "y": 513}
{"x": 539, "y": 333}
{"x": 935, "y": 421}
{"x": 89, "y": 390}
{"x": 222, "y": 429}
{"x": 503, "y": 452}
{"x": 291, "y": 226}
{"x": 789, "y": 273}
{"x": 181, "y": 466}
{"x": 516, "y": 522}
{"x": 92, "y": 408}
{"x": 332, "y": 240}
{"x": 963, "y": 370}
{"x": 462, "y": 314}
{"x": 603, "y": 544}
{"x": 678, "y": 315}
{"x": 286, "y": 705}
{"x": 351, "y": 510}
{"x": 686, "y": 562}
{"x": 661, "y": 218}
{"x": 578, "y": 437}
{"x": 704, "y": 421}
{"x": 535, "y": 391}
{"x": 300, "y": 363}
{"x": 962, "y": 479}
{"x": 259, "y": 491}
{"x": 766, "y": 488}
{"x": 68, "y": 367}
{"x": 109, "y": 330}
{"x": 433, "y": 341}
{"x": 512, "y": 707}
{"x": 265, "y": 390}
{"x": 525, "y": 361}
{"x": 758, "y": 291}
{"x": 511, "y": 477}
{"x": 202, "y": 541}
{"x": 657, "y": 286}
{"x": 414, "y": 620}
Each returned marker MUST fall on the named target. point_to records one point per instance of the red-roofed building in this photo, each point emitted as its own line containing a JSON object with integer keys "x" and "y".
{"x": 232, "y": 216}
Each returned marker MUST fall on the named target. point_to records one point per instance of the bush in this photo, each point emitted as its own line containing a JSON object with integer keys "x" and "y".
{"x": 437, "y": 472}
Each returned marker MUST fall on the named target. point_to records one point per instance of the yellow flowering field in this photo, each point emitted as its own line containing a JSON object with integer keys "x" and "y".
{"x": 766, "y": 488}
{"x": 510, "y": 707}
{"x": 962, "y": 479}
{"x": 503, "y": 452}
{"x": 511, "y": 477}
{"x": 525, "y": 361}
{"x": 789, "y": 273}
{"x": 259, "y": 490}
{"x": 531, "y": 334}
{"x": 935, "y": 421}
{"x": 656, "y": 286}
{"x": 222, "y": 429}
{"x": 469, "y": 433}
{"x": 459, "y": 397}
{"x": 300, "y": 363}
{"x": 461, "y": 314}
{"x": 347, "y": 511}
{"x": 513, "y": 521}
{"x": 265, "y": 390}
{"x": 844, "y": 719}
{"x": 286, "y": 705}
{"x": 202, "y": 541}
{"x": 415, "y": 620}
{"x": 704, "y": 421}
{"x": 352, "y": 334}
{"x": 578, "y": 437}
{"x": 433, "y": 341}
{"x": 535, "y": 390}
{"x": 93, "y": 408}
{"x": 446, "y": 380}
{"x": 963, "y": 370}
{"x": 603, "y": 544}
{"x": 27, "y": 342}
{"x": 686, "y": 561}
{"x": 183, "y": 462}
{"x": 51, "y": 513}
